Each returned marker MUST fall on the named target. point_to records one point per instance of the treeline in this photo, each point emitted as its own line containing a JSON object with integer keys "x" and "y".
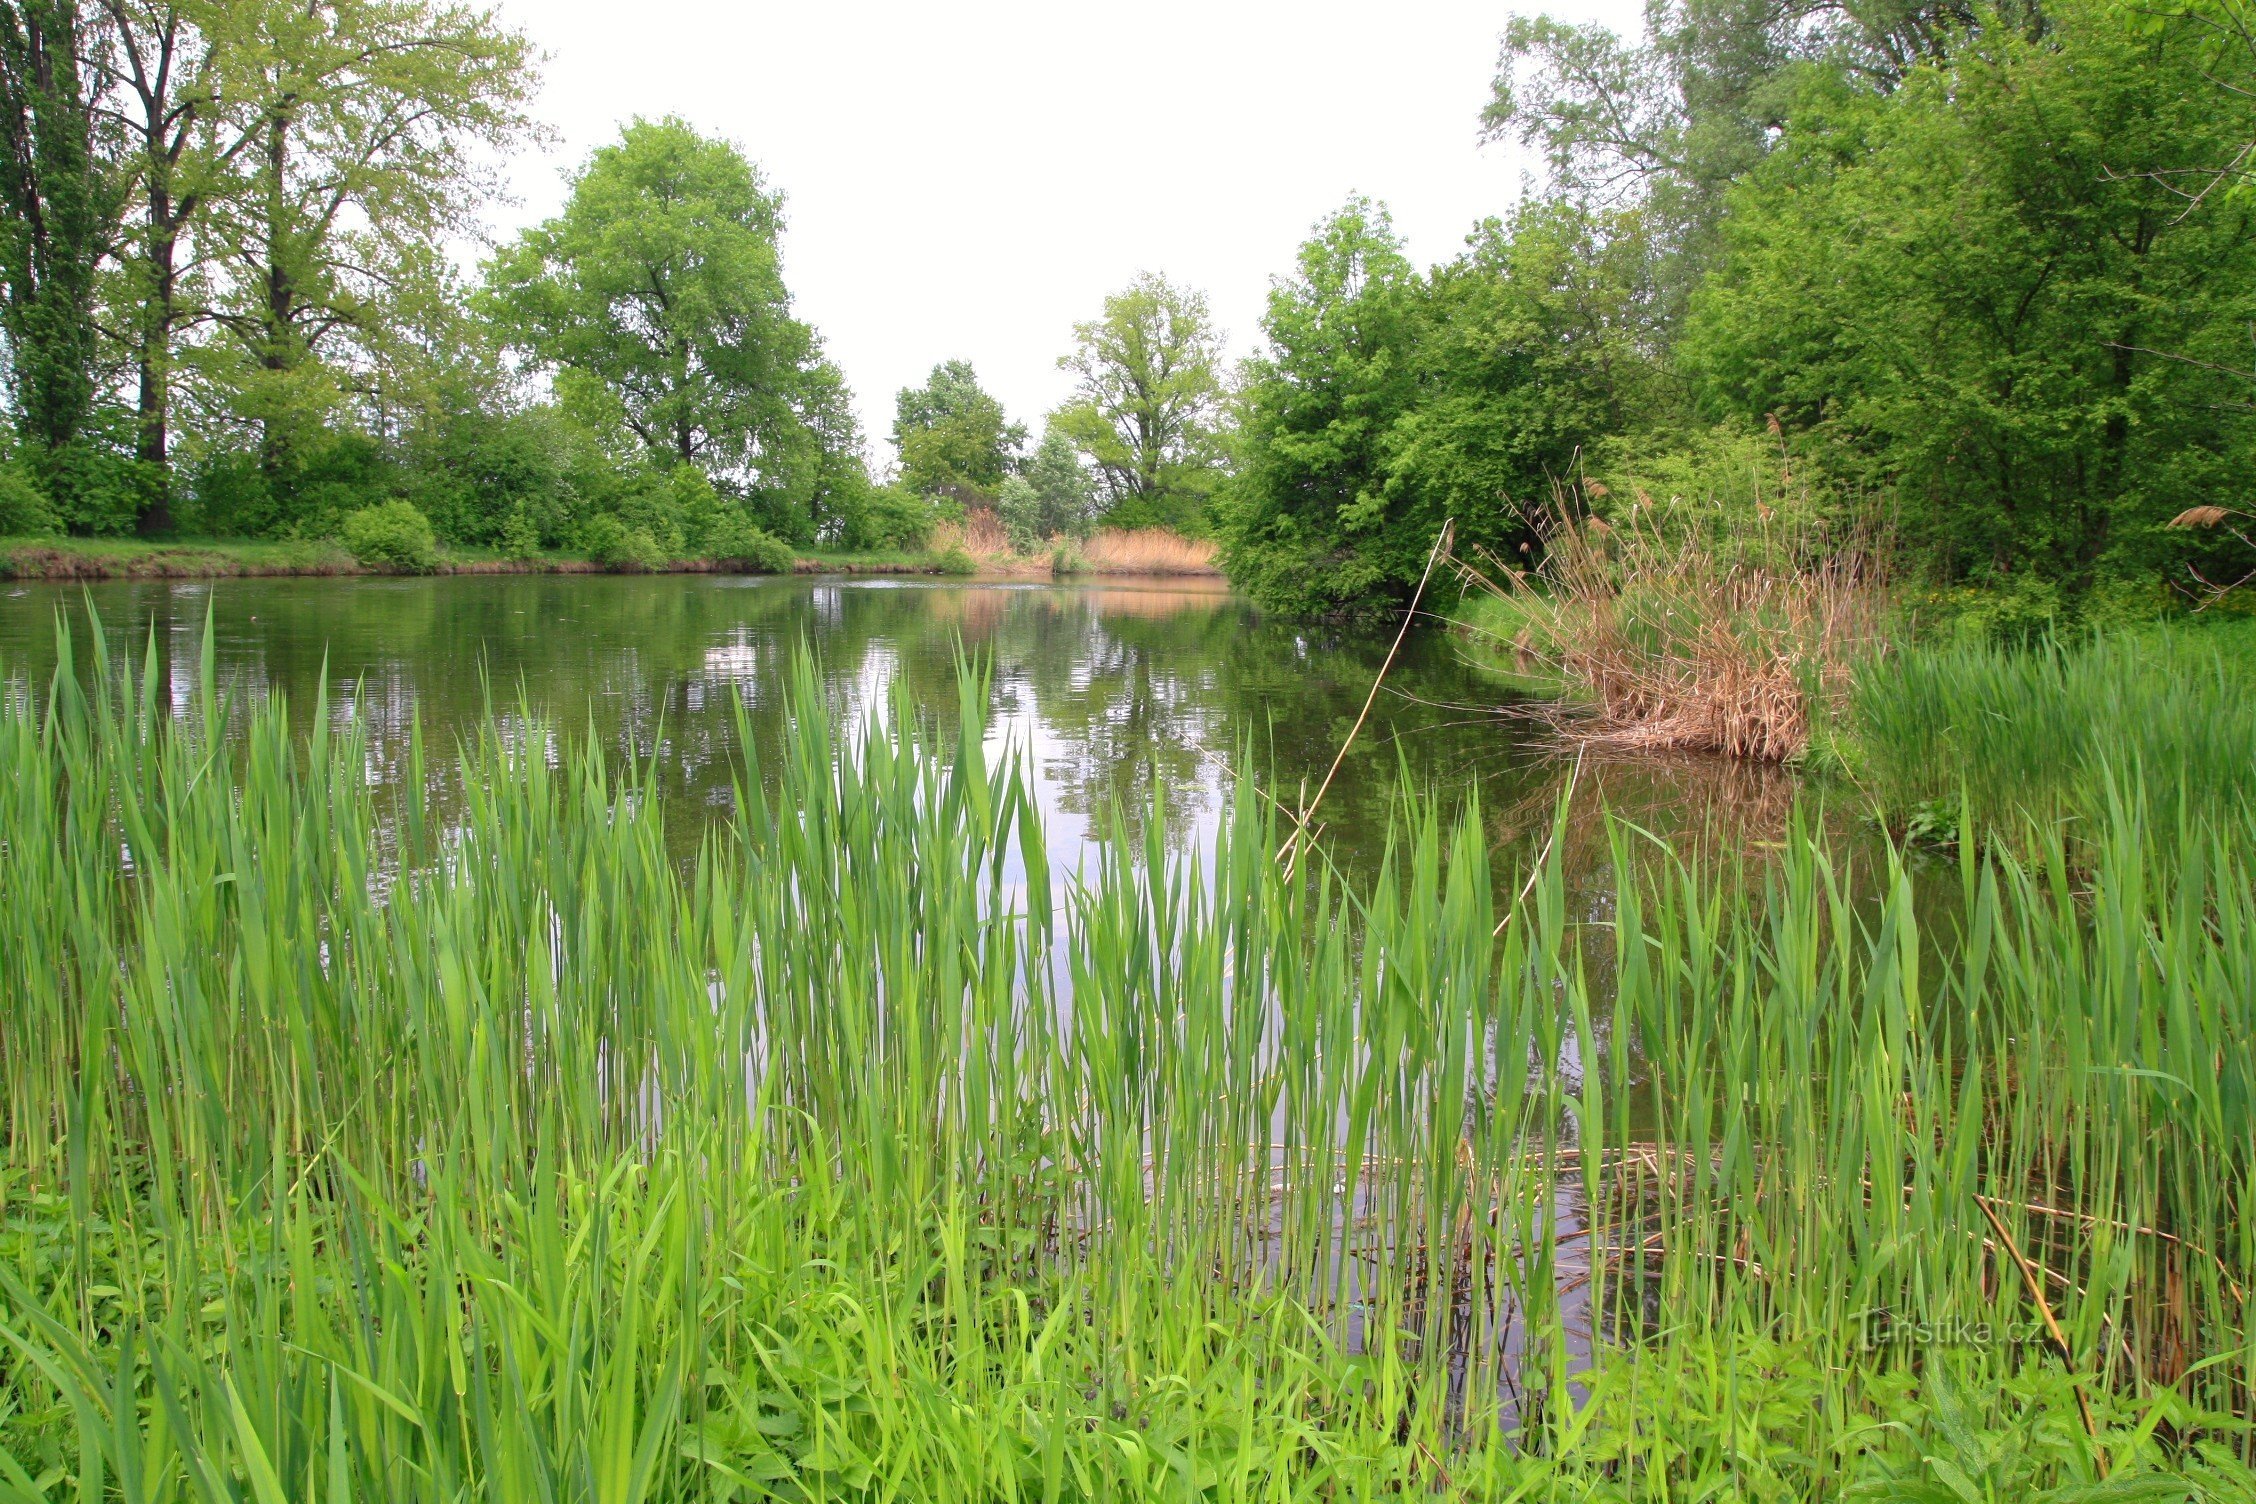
{"x": 1982, "y": 276}
{"x": 228, "y": 310}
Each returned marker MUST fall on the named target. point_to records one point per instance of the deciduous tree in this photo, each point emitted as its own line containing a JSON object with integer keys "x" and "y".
{"x": 1147, "y": 404}
{"x": 953, "y": 437}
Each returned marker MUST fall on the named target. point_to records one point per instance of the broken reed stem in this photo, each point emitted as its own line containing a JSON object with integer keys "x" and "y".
{"x": 1290, "y": 854}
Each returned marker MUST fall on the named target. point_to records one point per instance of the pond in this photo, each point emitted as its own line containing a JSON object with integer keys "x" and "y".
{"x": 1124, "y": 697}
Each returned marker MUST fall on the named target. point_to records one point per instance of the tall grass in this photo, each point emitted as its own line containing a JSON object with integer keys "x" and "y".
{"x": 349, "y": 1156}
{"x": 2046, "y": 732}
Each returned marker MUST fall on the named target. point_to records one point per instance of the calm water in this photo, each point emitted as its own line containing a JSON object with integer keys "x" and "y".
{"x": 1123, "y": 696}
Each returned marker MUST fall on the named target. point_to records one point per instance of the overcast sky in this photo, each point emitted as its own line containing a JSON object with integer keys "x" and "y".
{"x": 971, "y": 179}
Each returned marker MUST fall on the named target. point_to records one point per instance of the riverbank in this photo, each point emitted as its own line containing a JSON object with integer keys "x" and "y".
{"x": 71, "y": 559}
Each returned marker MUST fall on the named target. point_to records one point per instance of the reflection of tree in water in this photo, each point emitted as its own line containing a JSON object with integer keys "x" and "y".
{"x": 1126, "y": 697}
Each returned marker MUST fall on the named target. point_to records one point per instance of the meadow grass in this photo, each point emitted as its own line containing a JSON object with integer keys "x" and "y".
{"x": 2043, "y": 732}
{"x": 351, "y": 1156}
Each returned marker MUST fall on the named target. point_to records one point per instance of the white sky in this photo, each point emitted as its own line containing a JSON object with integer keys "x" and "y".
{"x": 971, "y": 179}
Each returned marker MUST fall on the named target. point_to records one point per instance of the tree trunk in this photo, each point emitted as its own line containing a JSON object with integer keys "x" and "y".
{"x": 281, "y": 291}
{"x": 156, "y": 359}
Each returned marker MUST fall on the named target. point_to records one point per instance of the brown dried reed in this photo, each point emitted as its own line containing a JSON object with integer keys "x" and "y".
{"x": 1674, "y": 637}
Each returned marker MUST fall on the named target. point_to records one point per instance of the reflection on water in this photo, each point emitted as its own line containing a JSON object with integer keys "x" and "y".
{"x": 1123, "y": 698}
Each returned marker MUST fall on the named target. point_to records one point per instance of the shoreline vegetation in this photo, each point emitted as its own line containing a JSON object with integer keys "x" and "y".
{"x": 938, "y": 1178}
{"x": 1139, "y": 553}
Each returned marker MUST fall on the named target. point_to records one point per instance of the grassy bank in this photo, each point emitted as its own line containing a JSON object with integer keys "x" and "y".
{"x": 870, "y": 1159}
{"x": 193, "y": 559}
{"x": 1154, "y": 553}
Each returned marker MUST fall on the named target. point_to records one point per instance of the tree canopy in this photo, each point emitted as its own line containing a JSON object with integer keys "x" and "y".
{"x": 953, "y": 437}
{"x": 1147, "y": 404}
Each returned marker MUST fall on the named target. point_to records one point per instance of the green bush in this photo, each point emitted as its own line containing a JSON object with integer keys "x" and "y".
{"x": 957, "y": 562}
{"x": 735, "y": 539}
{"x": 890, "y": 517}
{"x": 391, "y": 535}
{"x": 520, "y": 535}
{"x": 615, "y": 545}
{"x": 25, "y": 511}
{"x": 1019, "y": 506}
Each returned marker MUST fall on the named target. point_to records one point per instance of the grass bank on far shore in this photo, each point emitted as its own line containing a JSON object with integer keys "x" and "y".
{"x": 203, "y": 559}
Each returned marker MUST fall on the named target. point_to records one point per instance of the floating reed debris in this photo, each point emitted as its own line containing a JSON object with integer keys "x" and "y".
{"x": 346, "y": 1155}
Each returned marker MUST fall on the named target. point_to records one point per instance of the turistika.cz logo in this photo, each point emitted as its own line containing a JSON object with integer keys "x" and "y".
{"x": 1878, "y": 1329}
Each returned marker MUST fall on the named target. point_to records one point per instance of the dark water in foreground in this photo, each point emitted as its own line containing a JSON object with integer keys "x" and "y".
{"x": 1122, "y": 696}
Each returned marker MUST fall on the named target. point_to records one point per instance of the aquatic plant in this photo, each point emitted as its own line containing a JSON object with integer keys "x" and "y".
{"x": 1645, "y": 633}
{"x": 2051, "y": 731}
{"x": 349, "y": 1155}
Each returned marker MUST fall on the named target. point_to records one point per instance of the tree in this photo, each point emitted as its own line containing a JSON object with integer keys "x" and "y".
{"x": 1147, "y": 404}
{"x": 660, "y": 287}
{"x": 164, "y": 58}
{"x": 953, "y": 437}
{"x": 1316, "y": 408}
{"x": 362, "y": 120}
{"x": 59, "y": 210}
{"x": 1050, "y": 497}
{"x": 1984, "y": 294}
{"x": 1388, "y": 405}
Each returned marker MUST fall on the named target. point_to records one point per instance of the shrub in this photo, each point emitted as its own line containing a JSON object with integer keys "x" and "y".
{"x": 25, "y": 511}
{"x": 1066, "y": 560}
{"x": 1019, "y": 506}
{"x": 1668, "y": 643}
{"x": 613, "y": 544}
{"x": 736, "y": 540}
{"x": 955, "y": 561}
{"x": 890, "y": 517}
{"x": 391, "y": 535}
{"x": 520, "y": 535}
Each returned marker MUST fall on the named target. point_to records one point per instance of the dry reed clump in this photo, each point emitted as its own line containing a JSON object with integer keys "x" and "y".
{"x": 1148, "y": 550}
{"x": 981, "y": 536}
{"x": 1668, "y": 638}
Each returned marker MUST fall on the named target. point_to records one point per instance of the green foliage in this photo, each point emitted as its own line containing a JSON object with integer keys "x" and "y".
{"x": 953, "y": 438}
{"x": 478, "y": 473}
{"x": 1988, "y": 293}
{"x": 391, "y": 535}
{"x": 660, "y": 288}
{"x": 1388, "y": 404}
{"x": 1146, "y": 405}
{"x": 888, "y": 517}
{"x": 520, "y": 536}
{"x": 733, "y": 539}
{"x": 58, "y": 211}
{"x": 955, "y": 560}
{"x": 615, "y": 543}
{"x": 25, "y": 511}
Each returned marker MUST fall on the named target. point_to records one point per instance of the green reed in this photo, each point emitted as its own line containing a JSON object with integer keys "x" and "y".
{"x": 351, "y": 1156}
{"x": 2046, "y": 731}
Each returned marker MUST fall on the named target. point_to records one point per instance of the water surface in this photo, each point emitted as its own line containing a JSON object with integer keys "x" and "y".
{"x": 1125, "y": 698}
